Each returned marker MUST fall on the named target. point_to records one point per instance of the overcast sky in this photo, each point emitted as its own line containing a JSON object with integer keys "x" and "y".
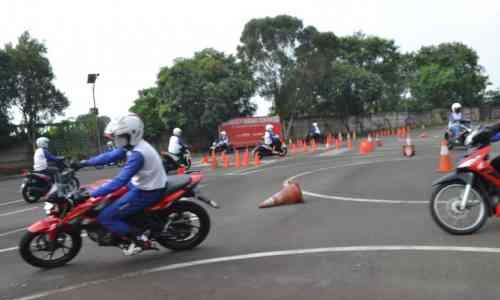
{"x": 128, "y": 41}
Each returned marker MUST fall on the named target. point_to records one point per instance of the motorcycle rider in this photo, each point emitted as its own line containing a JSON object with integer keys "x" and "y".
{"x": 315, "y": 132}
{"x": 143, "y": 173}
{"x": 42, "y": 156}
{"x": 223, "y": 141}
{"x": 175, "y": 145}
{"x": 454, "y": 118}
{"x": 270, "y": 139}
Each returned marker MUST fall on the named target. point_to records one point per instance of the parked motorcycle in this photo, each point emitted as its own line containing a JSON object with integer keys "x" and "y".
{"x": 172, "y": 162}
{"x": 174, "y": 222}
{"x": 278, "y": 148}
{"x": 462, "y": 201}
{"x": 459, "y": 140}
{"x": 35, "y": 185}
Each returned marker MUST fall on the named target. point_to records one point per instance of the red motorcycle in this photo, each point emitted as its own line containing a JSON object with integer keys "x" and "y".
{"x": 173, "y": 222}
{"x": 462, "y": 201}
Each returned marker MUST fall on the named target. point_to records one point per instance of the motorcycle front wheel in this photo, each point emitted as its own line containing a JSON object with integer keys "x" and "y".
{"x": 446, "y": 211}
{"x": 37, "y": 250}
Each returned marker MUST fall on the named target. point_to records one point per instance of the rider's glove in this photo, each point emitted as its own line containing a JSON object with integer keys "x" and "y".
{"x": 77, "y": 165}
{"x": 79, "y": 196}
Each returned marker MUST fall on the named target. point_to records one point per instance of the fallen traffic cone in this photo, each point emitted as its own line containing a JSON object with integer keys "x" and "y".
{"x": 237, "y": 162}
{"x": 246, "y": 156}
{"x": 408, "y": 148}
{"x": 289, "y": 194}
{"x": 445, "y": 163}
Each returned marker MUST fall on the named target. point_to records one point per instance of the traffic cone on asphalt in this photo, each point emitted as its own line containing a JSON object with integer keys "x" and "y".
{"x": 256, "y": 160}
{"x": 408, "y": 148}
{"x": 214, "y": 161}
{"x": 294, "y": 149}
{"x": 304, "y": 147}
{"x": 364, "y": 148}
{"x": 354, "y": 135}
{"x": 445, "y": 163}
{"x": 313, "y": 146}
{"x": 204, "y": 160}
{"x": 226, "y": 161}
{"x": 337, "y": 144}
{"x": 371, "y": 145}
{"x": 349, "y": 142}
{"x": 246, "y": 156}
{"x": 289, "y": 194}
{"x": 237, "y": 161}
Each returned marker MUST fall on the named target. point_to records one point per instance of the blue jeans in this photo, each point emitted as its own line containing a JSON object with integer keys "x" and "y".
{"x": 455, "y": 129}
{"x": 113, "y": 217}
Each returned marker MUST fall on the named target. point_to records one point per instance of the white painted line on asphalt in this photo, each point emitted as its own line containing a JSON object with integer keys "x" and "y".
{"x": 352, "y": 199}
{"x": 19, "y": 211}
{"x": 12, "y": 232}
{"x": 11, "y": 202}
{"x": 257, "y": 255}
{"x": 8, "y": 249}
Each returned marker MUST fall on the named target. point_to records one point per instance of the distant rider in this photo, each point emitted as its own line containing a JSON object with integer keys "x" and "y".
{"x": 43, "y": 156}
{"x": 454, "y": 118}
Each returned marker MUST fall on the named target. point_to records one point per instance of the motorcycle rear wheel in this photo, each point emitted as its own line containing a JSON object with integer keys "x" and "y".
{"x": 178, "y": 234}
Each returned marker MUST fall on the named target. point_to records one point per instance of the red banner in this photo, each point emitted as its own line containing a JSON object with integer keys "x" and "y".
{"x": 247, "y": 132}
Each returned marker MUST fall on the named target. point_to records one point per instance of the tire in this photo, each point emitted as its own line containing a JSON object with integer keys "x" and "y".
{"x": 27, "y": 254}
{"x": 283, "y": 152}
{"x": 188, "y": 164}
{"x": 74, "y": 184}
{"x": 27, "y": 196}
{"x": 204, "y": 227}
{"x": 480, "y": 220}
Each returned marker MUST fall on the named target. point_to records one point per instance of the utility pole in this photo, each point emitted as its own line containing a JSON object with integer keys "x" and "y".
{"x": 91, "y": 79}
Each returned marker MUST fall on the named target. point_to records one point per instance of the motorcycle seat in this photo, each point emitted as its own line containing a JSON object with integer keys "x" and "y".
{"x": 39, "y": 175}
{"x": 176, "y": 182}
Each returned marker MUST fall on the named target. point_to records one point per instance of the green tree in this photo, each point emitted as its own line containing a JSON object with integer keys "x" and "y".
{"x": 34, "y": 94}
{"x": 380, "y": 57}
{"x": 447, "y": 73}
{"x": 7, "y": 92}
{"x": 147, "y": 106}
{"x": 269, "y": 46}
{"x": 197, "y": 94}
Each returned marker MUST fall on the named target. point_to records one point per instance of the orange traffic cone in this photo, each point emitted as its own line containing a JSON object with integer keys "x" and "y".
{"x": 290, "y": 194}
{"x": 371, "y": 145}
{"x": 204, "y": 160}
{"x": 214, "y": 161}
{"x": 445, "y": 163}
{"x": 245, "y": 158}
{"x": 294, "y": 149}
{"x": 237, "y": 161}
{"x": 304, "y": 147}
{"x": 226, "y": 161}
{"x": 408, "y": 148}
{"x": 313, "y": 146}
{"x": 337, "y": 144}
{"x": 256, "y": 160}
{"x": 349, "y": 142}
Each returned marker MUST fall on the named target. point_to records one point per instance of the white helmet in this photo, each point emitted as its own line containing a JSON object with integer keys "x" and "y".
{"x": 127, "y": 130}
{"x": 269, "y": 127}
{"x": 455, "y": 106}
{"x": 223, "y": 133}
{"x": 177, "y": 131}
{"x": 42, "y": 142}
{"x": 315, "y": 124}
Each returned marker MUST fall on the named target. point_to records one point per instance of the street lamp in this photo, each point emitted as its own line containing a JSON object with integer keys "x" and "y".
{"x": 91, "y": 78}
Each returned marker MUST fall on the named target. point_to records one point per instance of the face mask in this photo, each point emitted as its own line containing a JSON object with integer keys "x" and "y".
{"x": 121, "y": 141}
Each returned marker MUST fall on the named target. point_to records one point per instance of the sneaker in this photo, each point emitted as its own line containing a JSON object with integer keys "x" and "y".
{"x": 138, "y": 245}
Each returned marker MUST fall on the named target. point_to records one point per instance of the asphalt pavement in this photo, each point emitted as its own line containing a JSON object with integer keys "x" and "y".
{"x": 364, "y": 232}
